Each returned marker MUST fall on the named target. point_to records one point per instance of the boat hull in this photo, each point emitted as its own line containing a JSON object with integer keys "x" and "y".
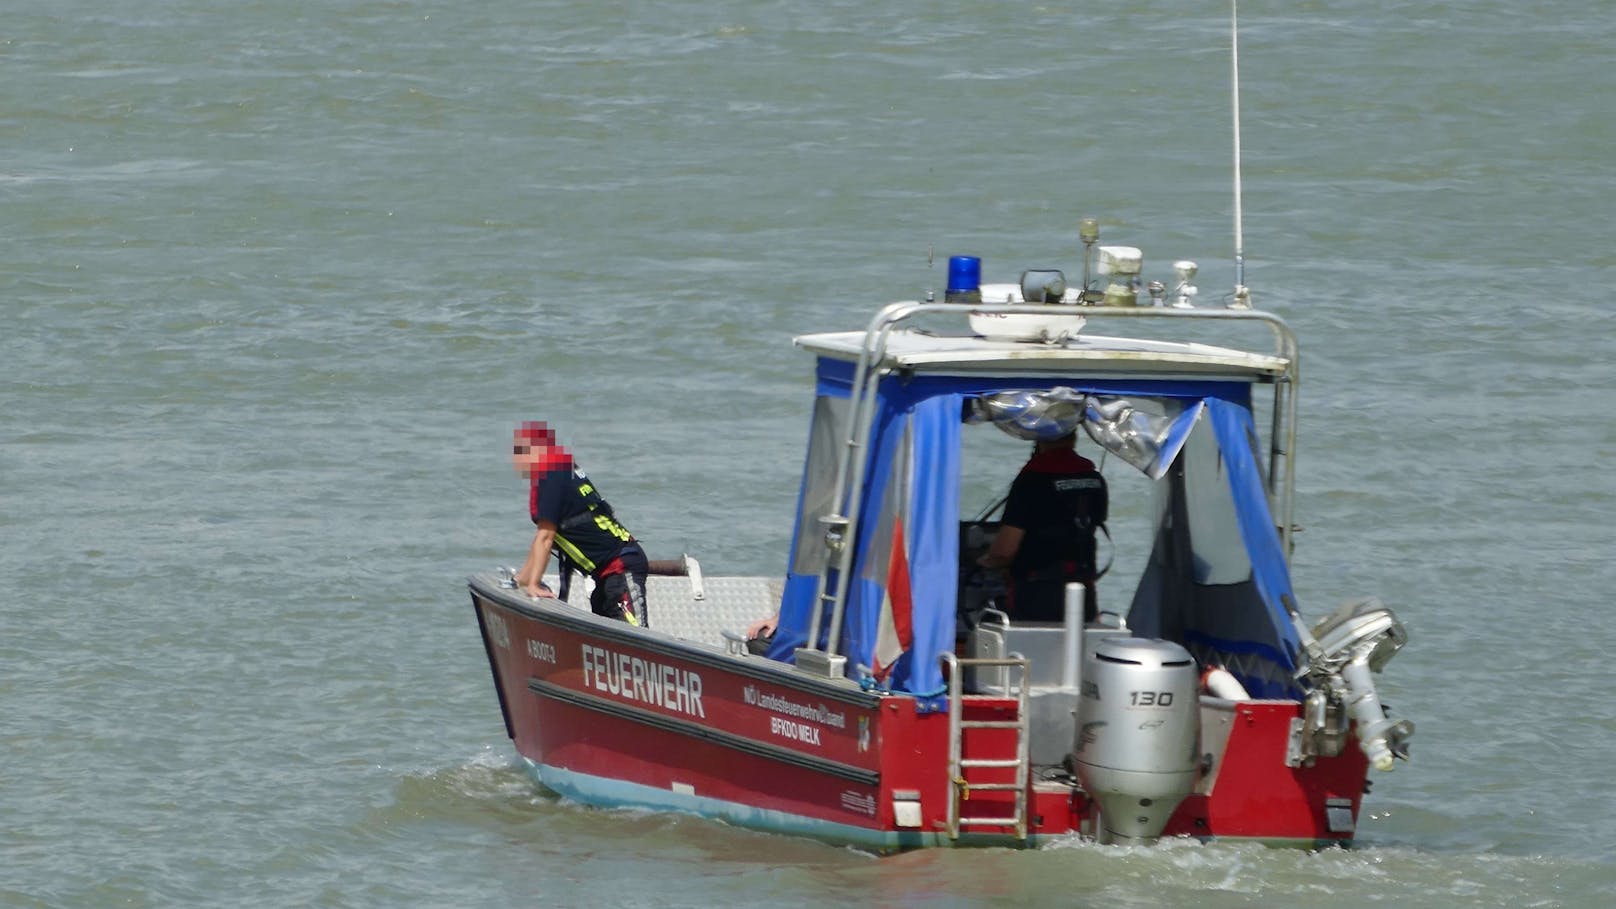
{"x": 612, "y": 715}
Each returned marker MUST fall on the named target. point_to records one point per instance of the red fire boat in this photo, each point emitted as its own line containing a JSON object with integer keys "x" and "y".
{"x": 900, "y": 703}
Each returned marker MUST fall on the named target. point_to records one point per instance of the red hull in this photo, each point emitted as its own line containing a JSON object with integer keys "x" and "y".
{"x": 612, "y": 715}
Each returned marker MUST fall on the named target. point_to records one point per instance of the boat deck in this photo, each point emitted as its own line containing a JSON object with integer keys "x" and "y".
{"x": 703, "y": 611}
{"x": 697, "y": 609}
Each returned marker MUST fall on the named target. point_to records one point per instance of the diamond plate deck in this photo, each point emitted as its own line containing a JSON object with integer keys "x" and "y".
{"x": 726, "y": 603}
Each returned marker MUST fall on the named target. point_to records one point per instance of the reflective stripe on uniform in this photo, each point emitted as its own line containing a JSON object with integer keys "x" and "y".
{"x": 574, "y": 555}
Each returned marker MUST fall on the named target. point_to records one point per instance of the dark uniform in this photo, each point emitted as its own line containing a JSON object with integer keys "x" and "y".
{"x": 1058, "y": 501}
{"x": 590, "y": 539}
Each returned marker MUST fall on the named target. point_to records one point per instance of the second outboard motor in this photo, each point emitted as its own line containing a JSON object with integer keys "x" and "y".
{"x": 1137, "y": 731}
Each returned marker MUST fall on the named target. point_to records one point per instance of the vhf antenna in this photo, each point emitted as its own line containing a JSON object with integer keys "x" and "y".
{"x": 931, "y": 292}
{"x": 1242, "y": 294}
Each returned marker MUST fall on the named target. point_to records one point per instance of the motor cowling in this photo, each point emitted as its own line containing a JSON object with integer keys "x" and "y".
{"x": 1137, "y": 732}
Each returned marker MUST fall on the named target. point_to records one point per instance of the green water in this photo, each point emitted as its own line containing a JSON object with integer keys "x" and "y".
{"x": 279, "y": 277}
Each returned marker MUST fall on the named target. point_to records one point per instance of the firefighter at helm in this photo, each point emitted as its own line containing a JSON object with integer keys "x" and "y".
{"x": 579, "y": 527}
{"x": 1046, "y": 537}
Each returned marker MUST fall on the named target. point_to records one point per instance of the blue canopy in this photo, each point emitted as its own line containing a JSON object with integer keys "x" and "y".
{"x": 1214, "y": 581}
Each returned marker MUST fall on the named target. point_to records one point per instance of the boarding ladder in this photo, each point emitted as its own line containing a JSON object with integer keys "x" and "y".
{"x": 1015, "y": 664}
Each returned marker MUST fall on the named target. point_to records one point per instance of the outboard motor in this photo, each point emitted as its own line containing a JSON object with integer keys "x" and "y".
{"x": 1137, "y": 733}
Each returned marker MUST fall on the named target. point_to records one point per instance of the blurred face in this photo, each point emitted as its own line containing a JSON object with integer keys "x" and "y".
{"x": 534, "y": 449}
{"x": 527, "y": 455}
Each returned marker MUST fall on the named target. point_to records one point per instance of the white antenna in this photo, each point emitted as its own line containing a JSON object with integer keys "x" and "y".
{"x": 931, "y": 293}
{"x": 1242, "y": 294}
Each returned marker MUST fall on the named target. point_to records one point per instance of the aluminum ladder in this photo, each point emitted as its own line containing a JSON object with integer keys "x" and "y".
{"x": 957, "y": 725}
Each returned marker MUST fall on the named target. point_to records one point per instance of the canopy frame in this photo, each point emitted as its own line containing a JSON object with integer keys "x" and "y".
{"x": 873, "y": 363}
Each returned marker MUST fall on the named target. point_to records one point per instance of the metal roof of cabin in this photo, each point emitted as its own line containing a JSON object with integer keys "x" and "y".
{"x": 1085, "y": 354}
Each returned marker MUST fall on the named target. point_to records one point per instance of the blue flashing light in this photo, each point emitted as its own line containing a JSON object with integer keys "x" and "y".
{"x": 964, "y": 274}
